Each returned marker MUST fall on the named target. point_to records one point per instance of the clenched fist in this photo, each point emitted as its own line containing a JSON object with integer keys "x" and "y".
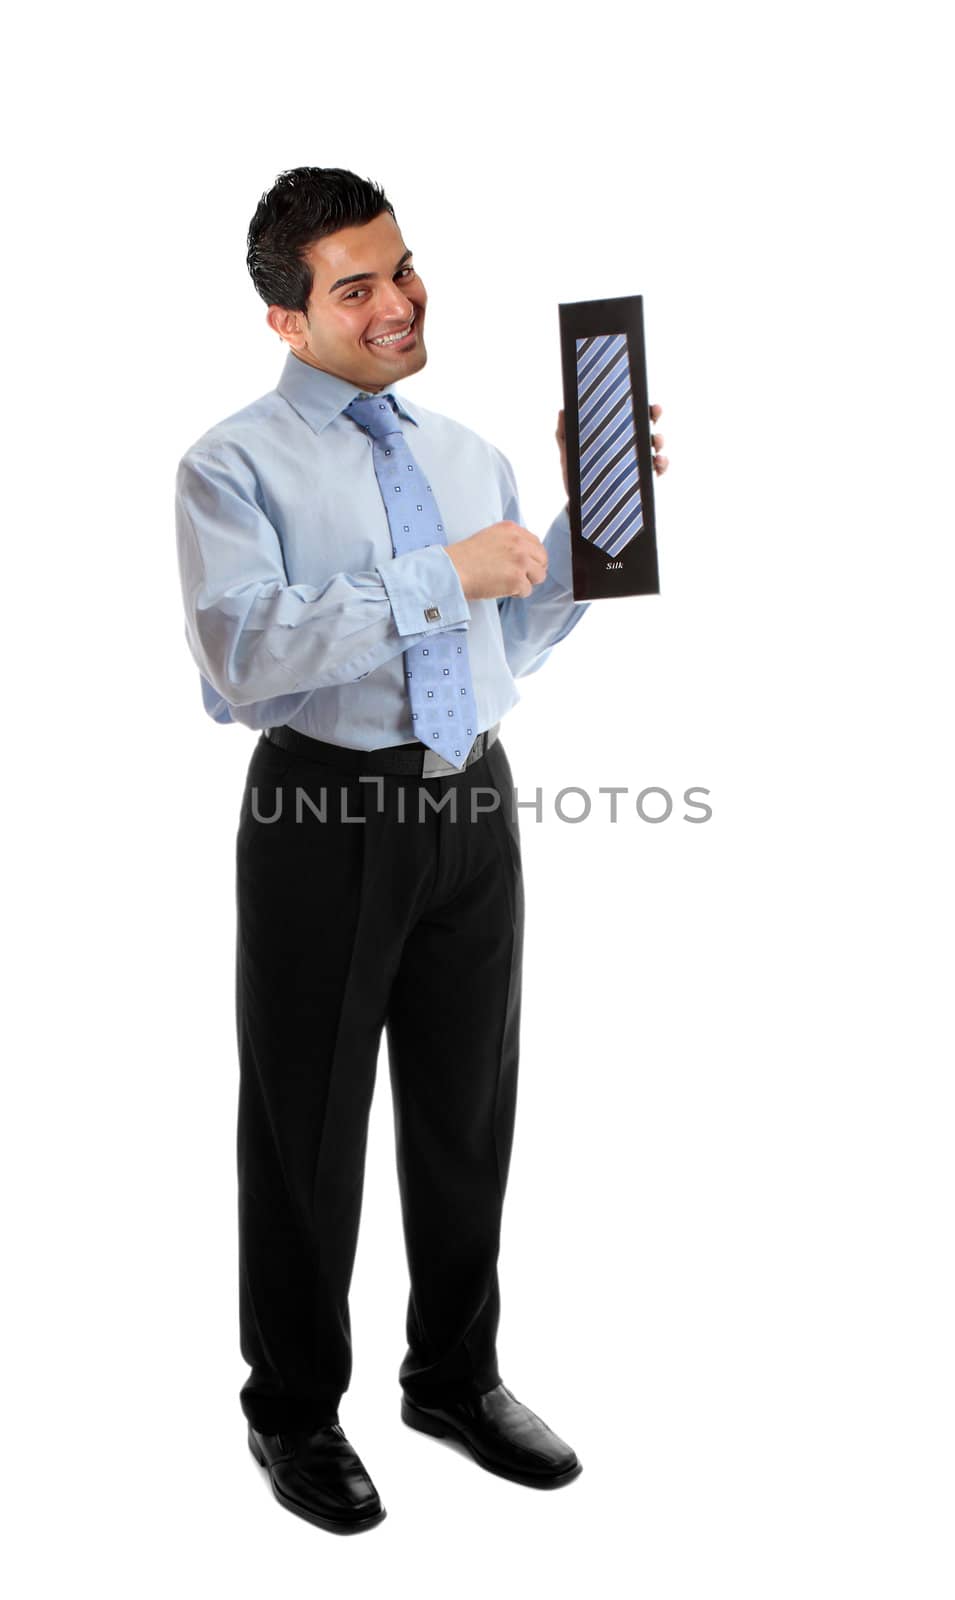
{"x": 500, "y": 560}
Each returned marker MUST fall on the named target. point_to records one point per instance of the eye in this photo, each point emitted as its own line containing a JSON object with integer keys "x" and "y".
{"x": 353, "y": 293}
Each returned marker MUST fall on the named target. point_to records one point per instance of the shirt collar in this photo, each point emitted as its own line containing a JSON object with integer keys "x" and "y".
{"x": 319, "y": 396}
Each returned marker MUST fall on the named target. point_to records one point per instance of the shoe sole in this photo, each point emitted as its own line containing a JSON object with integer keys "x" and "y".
{"x": 425, "y": 1423}
{"x": 331, "y": 1524}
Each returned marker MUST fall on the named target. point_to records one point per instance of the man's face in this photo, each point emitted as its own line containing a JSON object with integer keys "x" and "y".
{"x": 346, "y": 318}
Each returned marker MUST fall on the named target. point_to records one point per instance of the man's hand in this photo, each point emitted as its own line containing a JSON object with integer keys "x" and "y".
{"x": 500, "y": 560}
{"x": 660, "y": 463}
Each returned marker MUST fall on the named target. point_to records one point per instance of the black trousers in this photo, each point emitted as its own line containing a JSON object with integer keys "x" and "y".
{"x": 408, "y": 919}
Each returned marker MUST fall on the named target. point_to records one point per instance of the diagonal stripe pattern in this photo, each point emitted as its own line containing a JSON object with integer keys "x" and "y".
{"x": 611, "y": 511}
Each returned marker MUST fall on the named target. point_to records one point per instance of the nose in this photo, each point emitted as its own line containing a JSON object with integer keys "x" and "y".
{"x": 396, "y": 306}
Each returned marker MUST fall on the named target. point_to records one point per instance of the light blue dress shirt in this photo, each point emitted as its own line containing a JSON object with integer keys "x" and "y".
{"x": 297, "y": 610}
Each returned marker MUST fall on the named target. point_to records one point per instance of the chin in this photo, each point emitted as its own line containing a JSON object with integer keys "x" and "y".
{"x": 394, "y": 371}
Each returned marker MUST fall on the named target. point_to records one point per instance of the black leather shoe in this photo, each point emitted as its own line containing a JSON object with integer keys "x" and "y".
{"x": 319, "y": 1476}
{"x": 502, "y": 1435}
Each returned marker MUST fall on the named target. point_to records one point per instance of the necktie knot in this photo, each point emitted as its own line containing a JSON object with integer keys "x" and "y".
{"x": 376, "y": 415}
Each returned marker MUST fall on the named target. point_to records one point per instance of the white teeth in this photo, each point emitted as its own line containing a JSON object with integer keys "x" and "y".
{"x": 393, "y": 338}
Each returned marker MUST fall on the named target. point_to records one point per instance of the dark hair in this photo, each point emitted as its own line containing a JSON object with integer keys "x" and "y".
{"x": 304, "y": 204}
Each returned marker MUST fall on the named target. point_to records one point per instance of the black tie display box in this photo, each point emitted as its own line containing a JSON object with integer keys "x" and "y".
{"x": 608, "y": 572}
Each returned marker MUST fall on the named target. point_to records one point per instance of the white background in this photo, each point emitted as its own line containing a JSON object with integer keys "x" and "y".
{"x": 727, "y": 1263}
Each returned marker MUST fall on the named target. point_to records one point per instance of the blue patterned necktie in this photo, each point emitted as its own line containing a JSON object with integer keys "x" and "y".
{"x": 437, "y": 674}
{"x": 611, "y": 513}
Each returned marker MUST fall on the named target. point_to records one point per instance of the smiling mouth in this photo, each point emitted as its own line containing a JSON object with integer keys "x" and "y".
{"x": 397, "y": 339}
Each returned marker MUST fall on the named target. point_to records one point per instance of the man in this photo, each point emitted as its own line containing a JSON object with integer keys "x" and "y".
{"x": 374, "y": 642}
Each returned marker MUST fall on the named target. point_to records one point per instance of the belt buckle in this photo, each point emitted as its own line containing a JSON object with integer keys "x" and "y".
{"x": 434, "y": 765}
{"x": 431, "y": 758}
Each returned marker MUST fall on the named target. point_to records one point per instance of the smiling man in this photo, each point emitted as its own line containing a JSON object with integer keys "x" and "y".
{"x": 361, "y": 335}
{"x": 359, "y": 589}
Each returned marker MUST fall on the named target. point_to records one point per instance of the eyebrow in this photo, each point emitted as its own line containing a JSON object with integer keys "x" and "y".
{"x": 359, "y": 277}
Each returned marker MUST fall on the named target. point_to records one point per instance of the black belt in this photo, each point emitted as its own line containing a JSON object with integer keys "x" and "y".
{"x": 407, "y": 758}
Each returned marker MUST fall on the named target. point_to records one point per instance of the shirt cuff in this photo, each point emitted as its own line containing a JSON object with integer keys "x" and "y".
{"x": 425, "y": 590}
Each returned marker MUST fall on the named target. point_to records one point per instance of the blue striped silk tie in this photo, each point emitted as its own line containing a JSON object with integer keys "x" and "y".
{"x": 611, "y": 513}
{"x": 437, "y": 674}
